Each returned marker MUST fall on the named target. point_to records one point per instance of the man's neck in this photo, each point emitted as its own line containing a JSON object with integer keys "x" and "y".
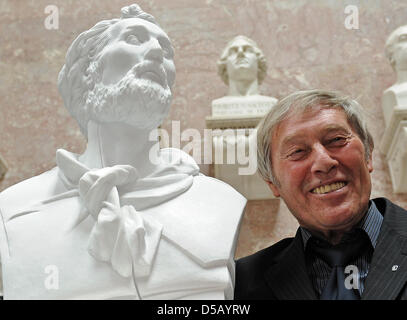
{"x": 334, "y": 237}
{"x": 116, "y": 143}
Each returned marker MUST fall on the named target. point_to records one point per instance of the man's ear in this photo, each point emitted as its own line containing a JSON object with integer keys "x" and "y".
{"x": 273, "y": 188}
{"x": 370, "y": 162}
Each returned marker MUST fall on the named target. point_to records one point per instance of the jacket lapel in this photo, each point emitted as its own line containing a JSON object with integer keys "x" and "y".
{"x": 288, "y": 277}
{"x": 388, "y": 270}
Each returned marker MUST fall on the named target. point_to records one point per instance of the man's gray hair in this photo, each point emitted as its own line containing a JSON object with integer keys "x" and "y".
{"x": 299, "y": 102}
{"x": 81, "y": 70}
{"x": 261, "y": 60}
{"x": 391, "y": 42}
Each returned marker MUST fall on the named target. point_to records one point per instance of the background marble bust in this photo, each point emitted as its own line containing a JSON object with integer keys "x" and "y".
{"x": 243, "y": 67}
{"x": 396, "y": 53}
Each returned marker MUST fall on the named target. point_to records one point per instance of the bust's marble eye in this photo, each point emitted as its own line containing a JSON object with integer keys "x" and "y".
{"x": 132, "y": 39}
{"x": 403, "y": 37}
{"x": 232, "y": 50}
{"x": 168, "y": 53}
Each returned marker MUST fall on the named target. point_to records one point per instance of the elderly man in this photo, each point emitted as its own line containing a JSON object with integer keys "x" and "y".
{"x": 316, "y": 153}
{"x": 123, "y": 220}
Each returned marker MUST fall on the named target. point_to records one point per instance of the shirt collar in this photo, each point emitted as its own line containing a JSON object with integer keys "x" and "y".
{"x": 370, "y": 223}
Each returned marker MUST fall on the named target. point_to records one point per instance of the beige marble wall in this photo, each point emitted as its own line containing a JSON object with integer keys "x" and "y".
{"x": 305, "y": 42}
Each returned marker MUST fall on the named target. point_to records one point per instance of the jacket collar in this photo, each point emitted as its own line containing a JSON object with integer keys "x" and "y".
{"x": 388, "y": 269}
{"x": 288, "y": 277}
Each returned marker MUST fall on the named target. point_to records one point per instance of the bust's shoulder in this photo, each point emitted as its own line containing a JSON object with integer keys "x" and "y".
{"x": 209, "y": 192}
{"x": 395, "y": 94}
{"x": 204, "y": 220}
{"x": 31, "y": 191}
{"x": 209, "y": 186}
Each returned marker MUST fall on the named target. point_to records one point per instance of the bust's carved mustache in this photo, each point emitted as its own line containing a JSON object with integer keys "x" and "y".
{"x": 138, "y": 98}
{"x": 151, "y": 71}
{"x": 241, "y": 60}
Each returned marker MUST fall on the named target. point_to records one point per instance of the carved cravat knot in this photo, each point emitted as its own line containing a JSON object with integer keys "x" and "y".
{"x": 121, "y": 235}
{"x": 96, "y": 186}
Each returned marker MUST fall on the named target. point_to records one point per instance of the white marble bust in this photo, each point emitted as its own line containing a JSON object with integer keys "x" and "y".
{"x": 396, "y": 52}
{"x": 242, "y": 67}
{"x": 394, "y": 105}
{"x": 123, "y": 220}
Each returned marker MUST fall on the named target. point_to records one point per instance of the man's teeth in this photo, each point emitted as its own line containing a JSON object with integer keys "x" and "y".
{"x": 328, "y": 188}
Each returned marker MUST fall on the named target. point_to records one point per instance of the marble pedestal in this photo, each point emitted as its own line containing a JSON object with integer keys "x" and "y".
{"x": 234, "y": 142}
{"x": 397, "y": 158}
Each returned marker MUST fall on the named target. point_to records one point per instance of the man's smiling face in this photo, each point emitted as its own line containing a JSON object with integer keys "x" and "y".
{"x": 320, "y": 164}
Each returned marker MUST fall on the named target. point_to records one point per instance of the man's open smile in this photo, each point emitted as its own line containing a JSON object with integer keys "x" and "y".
{"x": 327, "y": 188}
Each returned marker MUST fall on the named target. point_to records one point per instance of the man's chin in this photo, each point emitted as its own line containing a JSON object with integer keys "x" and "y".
{"x": 337, "y": 220}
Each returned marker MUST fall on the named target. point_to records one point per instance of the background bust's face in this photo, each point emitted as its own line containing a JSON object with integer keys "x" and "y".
{"x": 241, "y": 63}
{"x": 400, "y": 50}
{"x": 317, "y": 148}
{"x": 136, "y": 41}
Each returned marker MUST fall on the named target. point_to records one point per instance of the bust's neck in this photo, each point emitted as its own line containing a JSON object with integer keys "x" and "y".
{"x": 401, "y": 76}
{"x": 243, "y": 87}
{"x": 116, "y": 143}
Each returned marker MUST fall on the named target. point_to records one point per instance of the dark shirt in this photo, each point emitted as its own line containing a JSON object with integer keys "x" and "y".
{"x": 319, "y": 270}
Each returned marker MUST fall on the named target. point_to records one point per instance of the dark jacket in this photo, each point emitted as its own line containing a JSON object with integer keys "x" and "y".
{"x": 279, "y": 272}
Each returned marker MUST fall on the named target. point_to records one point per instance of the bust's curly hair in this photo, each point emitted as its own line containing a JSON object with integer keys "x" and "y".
{"x": 80, "y": 73}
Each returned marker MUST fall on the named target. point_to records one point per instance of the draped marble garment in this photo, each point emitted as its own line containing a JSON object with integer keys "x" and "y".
{"x": 173, "y": 232}
{"x": 112, "y": 195}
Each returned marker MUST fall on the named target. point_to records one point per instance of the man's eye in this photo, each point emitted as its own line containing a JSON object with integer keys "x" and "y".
{"x": 337, "y": 141}
{"x": 297, "y": 154}
{"x": 132, "y": 39}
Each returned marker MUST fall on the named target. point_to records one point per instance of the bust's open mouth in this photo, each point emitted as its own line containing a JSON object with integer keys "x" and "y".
{"x": 153, "y": 73}
{"x": 152, "y": 76}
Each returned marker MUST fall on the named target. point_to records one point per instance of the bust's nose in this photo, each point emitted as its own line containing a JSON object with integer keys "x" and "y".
{"x": 154, "y": 51}
{"x": 240, "y": 52}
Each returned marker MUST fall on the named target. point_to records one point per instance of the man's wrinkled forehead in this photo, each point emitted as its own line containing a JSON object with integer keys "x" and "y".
{"x": 307, "y": 113}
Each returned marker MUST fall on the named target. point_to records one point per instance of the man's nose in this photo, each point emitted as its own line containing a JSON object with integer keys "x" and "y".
{"x": 323, "y": 162}
{"x": 154, "y": 51}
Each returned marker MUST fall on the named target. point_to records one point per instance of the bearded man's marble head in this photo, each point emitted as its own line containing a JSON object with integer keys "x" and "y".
{"x": 120, "y": 70}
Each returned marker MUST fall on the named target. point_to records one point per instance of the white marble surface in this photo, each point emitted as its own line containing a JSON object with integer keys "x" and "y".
{"x": 122, "y": 220}
{"x": 394, "y": 104}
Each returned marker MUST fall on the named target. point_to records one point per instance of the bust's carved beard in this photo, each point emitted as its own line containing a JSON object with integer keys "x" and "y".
{"x": 136, "y": 101}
